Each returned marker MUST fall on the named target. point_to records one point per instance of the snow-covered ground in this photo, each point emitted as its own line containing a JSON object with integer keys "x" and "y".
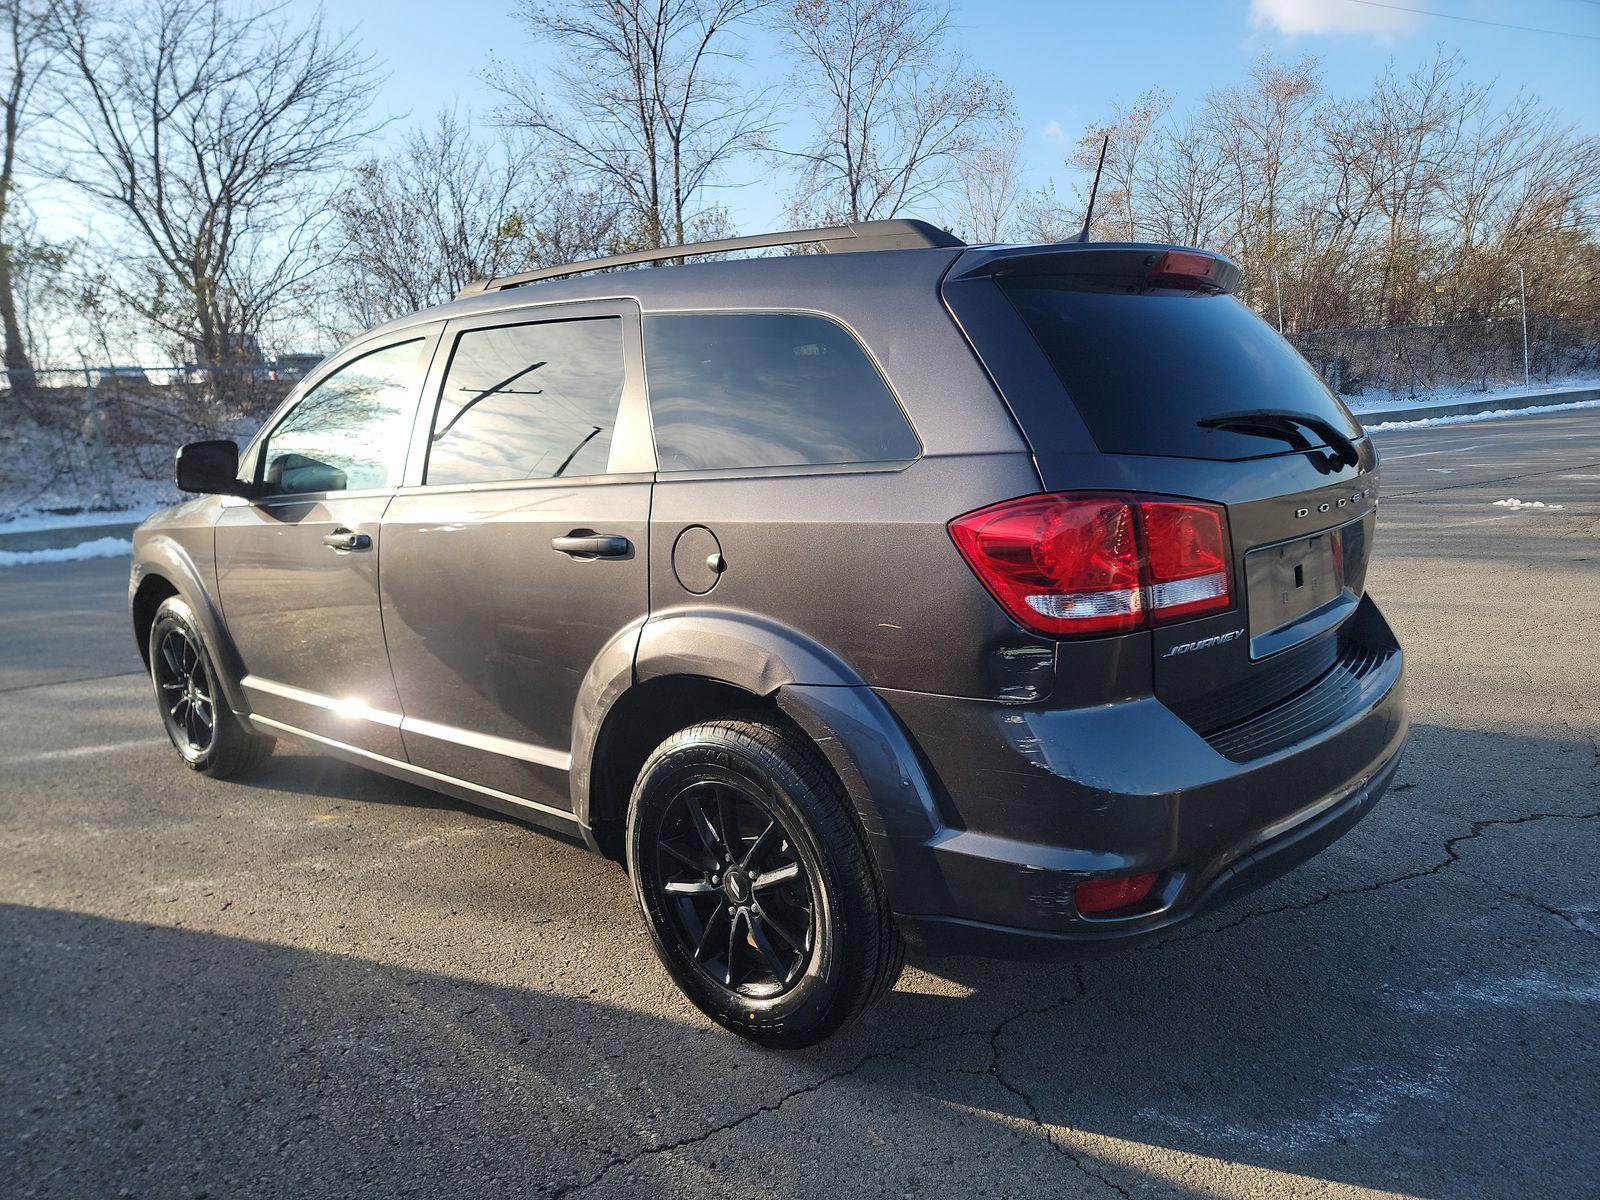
{"x": 1470, "y": 418}
{"x": 106, "y": 547}
{"x": 35, "y": 520}
{"x": 1379, "y": 400}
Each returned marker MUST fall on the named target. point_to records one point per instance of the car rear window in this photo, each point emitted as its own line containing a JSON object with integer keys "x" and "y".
{"x": 1144, "y": 368}
{"x": 731, "y": 390}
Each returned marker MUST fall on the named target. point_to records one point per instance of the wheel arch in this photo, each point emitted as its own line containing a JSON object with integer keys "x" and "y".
{"x": 148, "y": 597}
{"x": 690, "y": 667}
{"x": 665, "y": 673}
{"x": 163, "y": 568}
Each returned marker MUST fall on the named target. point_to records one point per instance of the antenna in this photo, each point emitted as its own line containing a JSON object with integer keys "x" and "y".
{"x": 1094, "y": 188}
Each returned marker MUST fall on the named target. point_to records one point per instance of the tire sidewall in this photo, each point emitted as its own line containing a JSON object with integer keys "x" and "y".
{"x": 713, "y": 754}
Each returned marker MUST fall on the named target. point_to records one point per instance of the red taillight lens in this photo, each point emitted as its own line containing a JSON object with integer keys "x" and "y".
{"x": 1108, "y": 895}
{"x": 1186, "y": 549}
{"x": 1058, "y": 564}
{"x": 1065, "y": 564}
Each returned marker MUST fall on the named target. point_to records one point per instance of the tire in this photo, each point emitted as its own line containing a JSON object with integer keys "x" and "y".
{"x": 756, "y": 884}
{"x": 203, "y": 729}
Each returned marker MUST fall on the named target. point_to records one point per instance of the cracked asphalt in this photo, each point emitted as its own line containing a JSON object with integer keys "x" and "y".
{"x": 318, "y": 982}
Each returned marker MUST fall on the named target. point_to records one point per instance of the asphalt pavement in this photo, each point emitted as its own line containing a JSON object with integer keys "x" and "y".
{"x": 319, "y": 982}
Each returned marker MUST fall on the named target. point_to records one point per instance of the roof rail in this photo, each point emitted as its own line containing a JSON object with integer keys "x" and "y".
{"x": 862, "y": 235}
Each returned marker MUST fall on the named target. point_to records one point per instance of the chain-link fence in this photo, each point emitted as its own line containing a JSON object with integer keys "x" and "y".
{"x": 1410, "y": 360}
{"x": 103, "y": 437}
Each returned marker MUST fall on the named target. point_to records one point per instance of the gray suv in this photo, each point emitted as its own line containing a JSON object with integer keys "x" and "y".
{"x": 986, "y": 600}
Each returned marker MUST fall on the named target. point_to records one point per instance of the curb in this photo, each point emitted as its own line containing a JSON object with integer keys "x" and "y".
{"x": 1468, "y": 407}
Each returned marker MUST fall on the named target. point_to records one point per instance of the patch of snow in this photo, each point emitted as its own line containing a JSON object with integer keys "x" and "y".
{"x": 1375, "y": 1096}
{"x": 1498, "y": 414}
{"x": 38, "y": 520}
{"x": 1511, "y": 991}
{"x": 1515, "y": 503}
{"x": 1368, "y": 401}
{"x": 106, "y": 547}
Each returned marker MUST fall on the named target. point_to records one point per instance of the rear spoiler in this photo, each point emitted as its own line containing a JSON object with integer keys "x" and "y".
{"x": 1134, "y": 264}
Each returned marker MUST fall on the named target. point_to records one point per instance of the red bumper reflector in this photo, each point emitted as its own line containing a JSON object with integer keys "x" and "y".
{"x": 1108, "y": 895}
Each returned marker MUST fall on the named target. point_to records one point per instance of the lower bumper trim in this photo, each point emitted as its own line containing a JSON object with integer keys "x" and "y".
{"x": 938, "y": 936}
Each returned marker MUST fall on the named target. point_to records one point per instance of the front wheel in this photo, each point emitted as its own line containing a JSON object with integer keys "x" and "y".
{"x": 756, "y": 883}
{"x": 197, "y": 718}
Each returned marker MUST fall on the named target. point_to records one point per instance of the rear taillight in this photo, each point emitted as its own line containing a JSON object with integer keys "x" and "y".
{"x": 1066, "y": 564}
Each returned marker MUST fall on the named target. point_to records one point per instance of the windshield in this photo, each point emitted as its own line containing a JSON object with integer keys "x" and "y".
{"x": 1145, "y": 369}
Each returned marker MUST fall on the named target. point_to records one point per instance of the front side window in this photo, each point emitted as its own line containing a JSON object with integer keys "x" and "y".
{"x": 350, "y": 431}
{"x": 767, "y": 390}
{"x": 528, "y": 402}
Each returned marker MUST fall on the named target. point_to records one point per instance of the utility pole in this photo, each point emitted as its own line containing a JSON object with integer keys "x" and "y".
{"x": 1522, "y": 287}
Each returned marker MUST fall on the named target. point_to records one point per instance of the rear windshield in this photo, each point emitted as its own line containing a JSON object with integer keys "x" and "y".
{"x": 1145, "y": 368}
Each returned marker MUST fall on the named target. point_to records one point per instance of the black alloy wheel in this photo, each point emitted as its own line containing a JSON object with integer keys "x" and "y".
{"x": 754, "y": 877}
{"x": 194, "y": 709}
{"x": 183, "y": 685}
{"x": 738, "y": 895}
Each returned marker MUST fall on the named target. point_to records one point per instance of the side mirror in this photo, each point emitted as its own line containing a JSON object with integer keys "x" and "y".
{"x": 211, "y": 468}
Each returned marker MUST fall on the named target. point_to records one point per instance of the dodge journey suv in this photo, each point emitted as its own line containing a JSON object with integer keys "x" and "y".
{"x": 986, "y": 600}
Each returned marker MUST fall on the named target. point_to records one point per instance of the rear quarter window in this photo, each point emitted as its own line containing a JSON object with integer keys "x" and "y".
{"x": 731, "y": 390}
{"x": 1144, "y": 368}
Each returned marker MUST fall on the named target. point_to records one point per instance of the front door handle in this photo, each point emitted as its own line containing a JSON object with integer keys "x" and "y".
{"x": 347, "y": 539}
{"x": 592, "y": 545}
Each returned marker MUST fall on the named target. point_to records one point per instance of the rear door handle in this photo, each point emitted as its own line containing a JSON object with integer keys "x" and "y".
{"x": 592, "y": 545}
{"x": 347, "y": 539}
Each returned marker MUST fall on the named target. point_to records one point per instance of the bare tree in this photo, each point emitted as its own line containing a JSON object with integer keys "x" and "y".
{"x": 991, "y": 185}
{"x": 1265, "y": 132}
{"x": 1042, "y": 216}
{"x": 1186, "y": 184}
{"x": 1400, "y": 143}
{"x": 210, "y": 135}
{"x": 897, "y": 113}
{"x": 1129, "y": 132}
{"x": 28, "y": 54}
{"x": 643, "y": 104}
{"x": 449, "y": 207}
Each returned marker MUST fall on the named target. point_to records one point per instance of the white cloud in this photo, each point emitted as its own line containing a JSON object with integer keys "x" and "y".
{"x": 1294, "y": 17}
{"x": 1052, "y": 131}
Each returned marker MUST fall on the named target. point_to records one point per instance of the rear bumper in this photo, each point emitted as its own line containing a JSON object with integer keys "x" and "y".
{"x": 1032, "y": 801}
{"x": 935, "y": 935}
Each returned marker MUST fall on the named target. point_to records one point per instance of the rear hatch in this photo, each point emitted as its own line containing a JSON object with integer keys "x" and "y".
{"x": 1134, "y": 369}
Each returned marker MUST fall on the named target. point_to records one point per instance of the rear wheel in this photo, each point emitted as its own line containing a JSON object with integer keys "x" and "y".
{"x": 202, "y": 727}
{"x": 756, "y": 883}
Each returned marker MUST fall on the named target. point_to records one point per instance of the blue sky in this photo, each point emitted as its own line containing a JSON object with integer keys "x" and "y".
{"x": 1065, "y": 60}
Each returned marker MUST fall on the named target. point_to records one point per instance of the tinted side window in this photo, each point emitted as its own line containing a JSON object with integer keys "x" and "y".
{"x": 528, "y": 402}
{"x": 350, "y": 431}
{"x": 767, "y": 390}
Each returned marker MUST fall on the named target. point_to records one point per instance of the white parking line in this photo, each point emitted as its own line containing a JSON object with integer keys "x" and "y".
{"x": 76, "y": 752}
{"x": 1426, "y": 453}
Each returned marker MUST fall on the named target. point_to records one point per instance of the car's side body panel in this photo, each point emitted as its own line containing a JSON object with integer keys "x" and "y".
{"x": 859, "y": 562}
{"x": 303, "y": 616}
{"x": 490, "y": 630}
{"x": 175, "y": 550}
